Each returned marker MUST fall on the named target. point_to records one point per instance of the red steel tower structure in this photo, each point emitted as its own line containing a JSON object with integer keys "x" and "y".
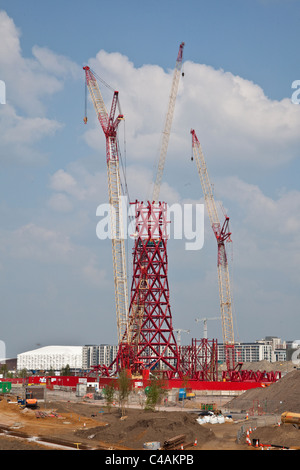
{"x": 153, "y": 334}
{"x": 149, "y": 340}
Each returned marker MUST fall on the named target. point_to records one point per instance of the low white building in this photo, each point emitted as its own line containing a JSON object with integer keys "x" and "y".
{"x": 51, "y": 358}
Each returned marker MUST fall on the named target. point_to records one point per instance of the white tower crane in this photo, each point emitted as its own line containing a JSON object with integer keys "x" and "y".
{"x": 204, "y": 320}
{"x": 179, "y": 331}
{"x": 168, "y": 124}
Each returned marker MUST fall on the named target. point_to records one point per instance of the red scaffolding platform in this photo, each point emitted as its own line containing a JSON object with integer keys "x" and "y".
{"x": 199, "y": 360}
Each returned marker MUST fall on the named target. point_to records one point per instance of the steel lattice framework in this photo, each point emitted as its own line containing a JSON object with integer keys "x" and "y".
{"x": 153, "y": 335}
{"x": 199, "y": 360}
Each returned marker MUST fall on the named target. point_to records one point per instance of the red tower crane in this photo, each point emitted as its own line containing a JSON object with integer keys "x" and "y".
{"x": 222, "y": 235}
{"x": 109, "y": 123}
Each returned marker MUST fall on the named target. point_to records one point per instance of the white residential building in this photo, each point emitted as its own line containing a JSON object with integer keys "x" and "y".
{"x": 103, "y": 354}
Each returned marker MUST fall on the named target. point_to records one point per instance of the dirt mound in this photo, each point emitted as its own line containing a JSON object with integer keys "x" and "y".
{"x": 285, "y": 435}
{"x": 278, "y": 397}
{"x": 141, "y": 426}
{"x": 281, "y": 366}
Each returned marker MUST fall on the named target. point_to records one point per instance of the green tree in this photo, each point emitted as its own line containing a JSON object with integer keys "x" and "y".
{"x": 4, "y": 370}
{"x": 23, "y": 373}
{"x": 109, "y": 393}
{"x": 124, "y": 389}
{"x": 65, "y": 370}
{"x": 155, "y": 393}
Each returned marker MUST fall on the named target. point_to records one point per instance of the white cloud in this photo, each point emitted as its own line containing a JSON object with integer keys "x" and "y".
{"x": 265, "y": 230}
{"x": 80, "y": 184}
{"x": 278, "y": 216}
{"x": 23, "y": 121}
{"x": 95, "y": 276}
{"x": 60, "y": 202}
{"x": 29, "y": 80}
{"x": 233, "y": 117}
{"x": 34, "y": 242}
{"x": 19, "y": 134}
{"x": 56, "y": 64}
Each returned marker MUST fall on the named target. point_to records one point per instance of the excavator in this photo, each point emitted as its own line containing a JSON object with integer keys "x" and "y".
{"x": 28, "y": 402}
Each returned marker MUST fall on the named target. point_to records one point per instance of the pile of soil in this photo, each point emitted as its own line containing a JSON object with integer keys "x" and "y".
{"x": 140, "y": 426}
{"x": 285, "y": 435}
{"x": 281, "y": 366}
{"x": 278, "y": 397}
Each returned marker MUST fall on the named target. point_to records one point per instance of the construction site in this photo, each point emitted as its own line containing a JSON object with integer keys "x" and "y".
{"x": 204, "y": 405}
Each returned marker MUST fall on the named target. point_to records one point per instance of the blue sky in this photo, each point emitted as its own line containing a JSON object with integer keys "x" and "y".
{"x": 240, "y": 59}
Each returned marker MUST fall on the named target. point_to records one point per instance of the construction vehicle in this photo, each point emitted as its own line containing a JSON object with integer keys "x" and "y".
{"x": 29, "y": 401}
{"x": 222, "y": 235}
{"x": 291, "y": 418}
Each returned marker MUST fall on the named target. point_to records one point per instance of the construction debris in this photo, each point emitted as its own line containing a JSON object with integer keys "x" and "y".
{"x": 177, "y": 443}
{"x": 174, "y": 442}
{"x": 43, "y": 414}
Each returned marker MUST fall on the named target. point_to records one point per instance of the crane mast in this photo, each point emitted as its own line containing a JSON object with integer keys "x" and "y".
{"x": 109, "y": 124}
{"x": 137, "y": 310}
{"x": 222, "y": 234}
{"x": 168, "y": 124}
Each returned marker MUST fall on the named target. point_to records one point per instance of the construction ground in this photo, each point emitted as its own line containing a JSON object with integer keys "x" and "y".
{"x": 64, "y": 421}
